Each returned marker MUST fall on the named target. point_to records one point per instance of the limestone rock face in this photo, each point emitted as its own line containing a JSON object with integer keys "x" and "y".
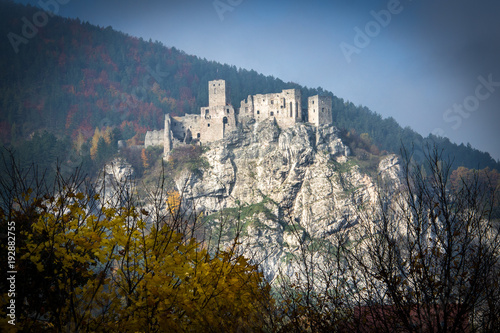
{"x": 390, "y": 168}
{"x": 114, "y": 181}
{"x": 390, "y": 174}
{"x": 289, "y": 185}
{"x": 119, "y": 169}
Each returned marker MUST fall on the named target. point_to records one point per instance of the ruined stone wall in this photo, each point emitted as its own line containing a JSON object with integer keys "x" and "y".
{"x": 326, "y": 117}
{"x": 153, "y": 138}
{"x": 184, "y": 128}
{"x": 292, "y": 114}
{"x": 167, "y": 137}
{"x": 177, "y": 128}
{"x": 320, "y": 110}
{"x": 215, "y": 122}
{"x": 246, "y": 111}
{"x": 285, "y": 107}
{"x": 191, "y": 122}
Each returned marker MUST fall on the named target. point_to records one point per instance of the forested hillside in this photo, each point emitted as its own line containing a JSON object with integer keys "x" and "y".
{"x": 63, "y": 80}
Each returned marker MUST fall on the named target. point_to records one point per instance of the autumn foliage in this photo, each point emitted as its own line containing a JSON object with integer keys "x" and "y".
{"x": 86, "y": 264}
{"x": 92, "y": 260}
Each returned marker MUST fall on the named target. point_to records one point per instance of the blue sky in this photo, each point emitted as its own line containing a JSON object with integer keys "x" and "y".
{"x": 432, "y": 65}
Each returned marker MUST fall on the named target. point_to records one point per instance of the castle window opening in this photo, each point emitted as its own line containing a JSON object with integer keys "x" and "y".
{"x": 291, "y": 109}
{"x": 271, "y": 114}
{"x": 208, "y": 125}
{"x": 206, "y": 111}
{"x": 198, "y": 135}
{"x": 227, "y": 111}
{"x": 258, "y": 112}
{"x": 272, "y": 101}
{"x": 224, "y": 120}
{"x": 322, "y": 109}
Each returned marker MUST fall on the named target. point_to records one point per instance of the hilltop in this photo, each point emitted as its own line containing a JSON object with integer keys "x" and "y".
{"x": 83, "y": 88}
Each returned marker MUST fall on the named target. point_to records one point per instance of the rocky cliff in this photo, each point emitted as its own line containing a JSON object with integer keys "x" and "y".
{"x": 279, "y": 187}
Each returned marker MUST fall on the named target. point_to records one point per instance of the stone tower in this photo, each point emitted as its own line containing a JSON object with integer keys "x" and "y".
{"x": 218, "y": 95}
{"x": 319, "y": 110}
{"x": 219, "y": 117}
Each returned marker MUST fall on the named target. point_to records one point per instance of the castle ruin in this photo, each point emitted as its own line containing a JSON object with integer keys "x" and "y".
{"x": 219, "y": 117}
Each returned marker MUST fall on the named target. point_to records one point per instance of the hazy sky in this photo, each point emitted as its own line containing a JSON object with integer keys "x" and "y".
{"x": 432, "y": 65}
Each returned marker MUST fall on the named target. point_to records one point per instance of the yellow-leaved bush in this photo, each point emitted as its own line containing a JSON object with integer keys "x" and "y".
{"x": 83, "y": 266}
